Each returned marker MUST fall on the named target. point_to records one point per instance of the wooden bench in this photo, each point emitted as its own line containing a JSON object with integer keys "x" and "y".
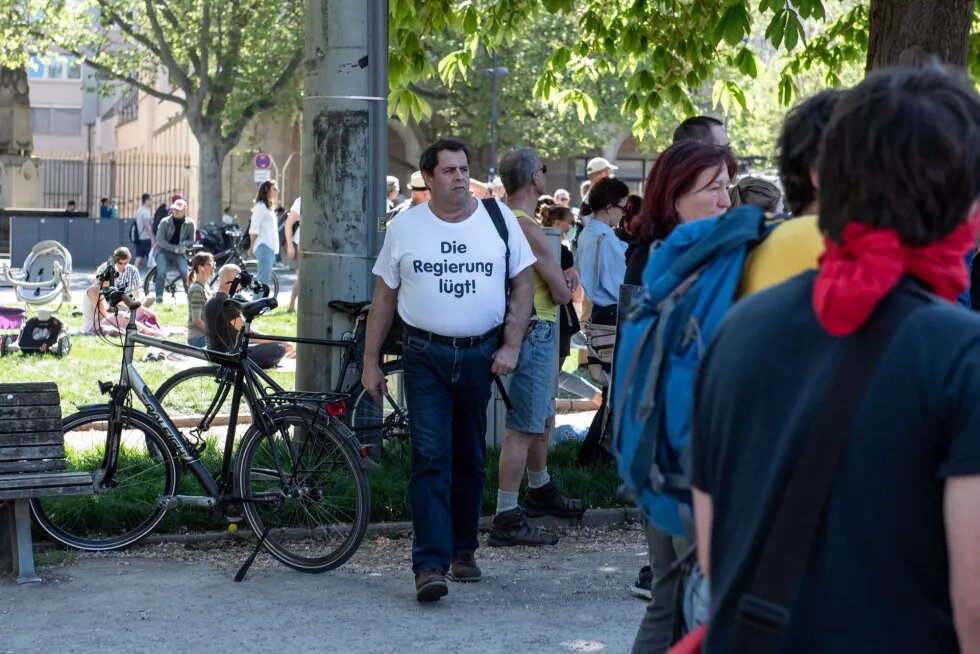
{"x": 32, "y": 464}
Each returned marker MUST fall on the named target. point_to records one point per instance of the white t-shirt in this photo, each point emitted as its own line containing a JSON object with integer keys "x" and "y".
{"x": 450, "y": 276}
{"x": 296, "y": 207}
{"x": 144, "y": 223}
{"x": 265, "y": 226}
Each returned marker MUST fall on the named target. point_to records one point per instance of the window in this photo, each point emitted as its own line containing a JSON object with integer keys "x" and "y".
{"x": 56, "y": 121}
{"x": 35, "y": 69}
{"x": 74, "y": 68}
{"x": 58, "y": 67}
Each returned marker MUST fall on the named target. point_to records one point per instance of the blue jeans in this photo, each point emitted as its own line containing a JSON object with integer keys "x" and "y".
{"x": 265, "y": 259}
{"x": 197, "y": 341}
{"x": 165, "y": 260}
{"x": 447, "y": 390}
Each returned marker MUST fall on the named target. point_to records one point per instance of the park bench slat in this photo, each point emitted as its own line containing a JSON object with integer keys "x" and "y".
{"x": 53, "y": 437}
{"x": 8, "y": 399}
{"x": 21, "y": 412}
{"x": 37, "y": 480}
{"x": 47, "y": 491}
{"x": 29, "y": 453}
{"x": 43, "y": 465}
{"x": 28, "y": 425}
{"x": 29, "y": 387}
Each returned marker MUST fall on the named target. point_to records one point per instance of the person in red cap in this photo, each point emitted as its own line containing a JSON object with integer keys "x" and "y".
{"x": 838, "y": 411}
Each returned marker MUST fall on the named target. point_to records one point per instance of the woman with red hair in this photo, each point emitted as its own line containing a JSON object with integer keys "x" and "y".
{"x": 689, "y": 181}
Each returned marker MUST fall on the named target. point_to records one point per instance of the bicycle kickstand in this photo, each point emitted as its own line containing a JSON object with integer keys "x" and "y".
{"x": 242, "y": 571}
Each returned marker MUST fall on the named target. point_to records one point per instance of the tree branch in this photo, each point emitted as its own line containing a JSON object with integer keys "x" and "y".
{"x": 175, "y": 24}
{"x": 266, "y": 102}
{"x": 142, "y": 86}
{"x": 126, "y": 28}
{"x": 202, "y": 65}
{"x": 166, "y": 55}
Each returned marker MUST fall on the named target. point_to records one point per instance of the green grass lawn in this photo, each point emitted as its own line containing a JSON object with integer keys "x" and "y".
{"x": 92, "y": 360}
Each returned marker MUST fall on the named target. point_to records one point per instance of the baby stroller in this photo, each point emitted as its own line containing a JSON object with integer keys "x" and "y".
{"x": 43, "y": 280}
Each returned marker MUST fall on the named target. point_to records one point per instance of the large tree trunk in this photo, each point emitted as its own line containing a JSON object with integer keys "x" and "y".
{"x": 911, "y": 32}
{"x": 212, "y": 157}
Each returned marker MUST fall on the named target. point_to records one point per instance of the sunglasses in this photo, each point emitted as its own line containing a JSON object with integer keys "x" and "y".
{"x": 543, "y": 169}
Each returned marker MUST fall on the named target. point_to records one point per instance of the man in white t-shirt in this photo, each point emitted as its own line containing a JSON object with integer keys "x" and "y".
{"x": 444, "y": 265}
{"x": 292, "y": 243}
{"x": 144, "y": 230}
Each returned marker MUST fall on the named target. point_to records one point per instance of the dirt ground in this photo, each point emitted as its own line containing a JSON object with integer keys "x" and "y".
{"x": 573, "y": 597}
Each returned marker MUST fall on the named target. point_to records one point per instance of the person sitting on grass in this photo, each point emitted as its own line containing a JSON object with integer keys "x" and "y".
{"x": 198, "y": 293}
{"x": 222, "y": 326}
{"x": 99, "y": 319}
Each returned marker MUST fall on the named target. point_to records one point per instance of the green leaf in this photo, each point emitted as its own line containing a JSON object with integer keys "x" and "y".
{"x": 470, "y": 21}
{"x": 793, "y": 30}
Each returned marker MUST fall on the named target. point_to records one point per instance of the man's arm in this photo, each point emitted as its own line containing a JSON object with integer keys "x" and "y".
{"x": 962, "y": 536}
{"x": 384, "y": 302}
{"x": 288, "y": 231}
{"x": 704, "y": 514}
{"x": 518, "y": 316}
{"x": 546, "y": 264}
{"x": 191, "y": 237}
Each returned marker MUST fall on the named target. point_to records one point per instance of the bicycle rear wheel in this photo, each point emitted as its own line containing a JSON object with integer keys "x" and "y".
{"x": 188, "y": 396}
{"x": 382, "y": 426}
{"x": 124, "y": 512}
{"x": 304, "y": 482}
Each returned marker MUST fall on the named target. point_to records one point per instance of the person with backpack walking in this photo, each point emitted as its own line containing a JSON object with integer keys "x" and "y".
{"x": 458, "y": 270}
{"x": 835, "y": 493}
{"x": 263, "y": 231}
{"x": 688, "y": 182}
{"x": 533, "y": 386}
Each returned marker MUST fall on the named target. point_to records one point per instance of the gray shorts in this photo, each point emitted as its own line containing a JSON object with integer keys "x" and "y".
{"x": 533, "y": 386}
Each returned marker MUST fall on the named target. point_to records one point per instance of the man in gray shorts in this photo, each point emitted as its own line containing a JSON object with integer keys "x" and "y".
{"x": 533, "y": 386}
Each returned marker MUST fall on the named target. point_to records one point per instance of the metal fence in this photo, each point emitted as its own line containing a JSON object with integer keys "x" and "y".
{"x": 124, "y": 176}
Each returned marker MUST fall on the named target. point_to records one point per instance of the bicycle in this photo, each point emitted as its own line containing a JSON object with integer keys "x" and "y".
{"x": 297, "y": 476}
{"x": 380, "y": 426}
{"x": 231, "y": 253}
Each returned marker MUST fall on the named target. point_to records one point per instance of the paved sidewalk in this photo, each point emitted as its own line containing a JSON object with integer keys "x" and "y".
{"x": 570, "y": 598}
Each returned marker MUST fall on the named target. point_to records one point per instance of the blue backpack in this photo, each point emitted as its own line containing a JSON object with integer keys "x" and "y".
{"x": 689, "y": 285}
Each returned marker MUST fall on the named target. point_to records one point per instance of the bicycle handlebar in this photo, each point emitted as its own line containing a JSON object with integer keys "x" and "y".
{"x": 244, "y": 279}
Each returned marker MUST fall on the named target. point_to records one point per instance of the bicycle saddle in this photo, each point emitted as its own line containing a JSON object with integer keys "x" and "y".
{"x": 350, "y": 308}
{"x": 254, "y": 308}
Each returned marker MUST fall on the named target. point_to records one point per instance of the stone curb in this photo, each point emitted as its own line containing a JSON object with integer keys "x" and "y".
{"x": 592, "y": 518}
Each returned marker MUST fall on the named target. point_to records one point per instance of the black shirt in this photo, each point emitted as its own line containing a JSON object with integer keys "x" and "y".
{"x": 178, "y": 225}
{"x": 877, "y": 579}
{"x": 218, "y": 330}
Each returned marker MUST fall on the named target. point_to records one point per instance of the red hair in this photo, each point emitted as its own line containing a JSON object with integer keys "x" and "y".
{"x": 672, "y": 176}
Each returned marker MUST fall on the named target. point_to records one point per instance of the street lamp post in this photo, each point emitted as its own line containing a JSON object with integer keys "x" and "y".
{"x": 495, "y": 73}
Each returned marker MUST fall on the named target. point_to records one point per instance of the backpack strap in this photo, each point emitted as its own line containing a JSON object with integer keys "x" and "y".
{"x": 498, "y": 221}
{"x": 763, "y": 610}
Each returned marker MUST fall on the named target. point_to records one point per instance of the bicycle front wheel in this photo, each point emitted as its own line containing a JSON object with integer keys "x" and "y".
{"x": 382, "y": 426}
{"x": 303, "y": 481}
{"x": 120, "y": 513}
{"x": 189, "y": 394}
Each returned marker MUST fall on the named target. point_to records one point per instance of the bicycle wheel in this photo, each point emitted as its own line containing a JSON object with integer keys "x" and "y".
{"x": 253, "y": 269}
{"x": 171, "y": 284}
{"x": 383, "y": 427}
{"x": 117, "y": 516}
{"x": 304, "y": 481}
{"x": 187, "y": 396}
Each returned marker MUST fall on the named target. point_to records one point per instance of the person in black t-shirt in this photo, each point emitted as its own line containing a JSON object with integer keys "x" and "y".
{"x": 222, "y": 325}
{"x": 893, "y": 565}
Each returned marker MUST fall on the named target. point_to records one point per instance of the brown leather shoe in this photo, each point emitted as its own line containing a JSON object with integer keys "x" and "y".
{"x": 510, "y": 528}
{"x": 430, "y": 584}
{"x": 464, "y": 569}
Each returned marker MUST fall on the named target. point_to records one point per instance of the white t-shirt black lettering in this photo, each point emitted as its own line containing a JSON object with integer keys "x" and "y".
{"x": 450, "y": 276}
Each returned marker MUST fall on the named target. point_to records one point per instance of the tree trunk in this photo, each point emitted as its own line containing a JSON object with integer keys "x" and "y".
{"x": 212, "y": 157}
{"x": 911, "y": 32}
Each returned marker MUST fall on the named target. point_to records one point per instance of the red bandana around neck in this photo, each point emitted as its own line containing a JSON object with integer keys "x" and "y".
{"x": 869, "y": 261}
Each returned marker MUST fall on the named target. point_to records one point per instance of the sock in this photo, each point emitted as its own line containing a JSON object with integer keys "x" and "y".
{"x": 537, "y": 479}
{"x": 506, "y": 501}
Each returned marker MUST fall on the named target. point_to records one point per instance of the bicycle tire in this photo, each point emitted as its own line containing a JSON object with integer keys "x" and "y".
{"x": 331, "y": 471}
{"x": 170, "y": 284}
{"x": 377, "y": 426}
{"x": 252, "y": 267}
{"x": 125, "y": 513}
{"x": 189, "y": 394}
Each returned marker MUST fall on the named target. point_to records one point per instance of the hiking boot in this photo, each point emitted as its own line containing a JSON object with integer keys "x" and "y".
{"x": 464, "y": 569}
{"x": 549, "y": 500}
{"x": 430, "y": 584}
{"x": 644, "y": 581}
{"x": 511, "y": 528}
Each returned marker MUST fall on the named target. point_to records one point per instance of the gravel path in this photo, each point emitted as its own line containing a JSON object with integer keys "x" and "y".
{"x": 171, "y": 597}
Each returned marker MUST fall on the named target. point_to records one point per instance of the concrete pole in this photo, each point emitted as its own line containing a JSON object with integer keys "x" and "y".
{"x": 344, "y": 162}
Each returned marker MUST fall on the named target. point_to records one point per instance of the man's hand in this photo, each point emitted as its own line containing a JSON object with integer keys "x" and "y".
{"x": 290, "y": 350}
{"x": 504, "y": 360}
{"x": 572, "y": 279}
{"x": 290, "y": 251}
{"x": 373, "y": 381}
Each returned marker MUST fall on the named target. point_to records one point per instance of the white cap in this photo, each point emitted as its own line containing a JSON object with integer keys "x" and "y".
{"x": 599, "y": 163}
{"x": 416, "y": 183}
{"x": 496, "y": 183}
{"x": 179, "y": 205}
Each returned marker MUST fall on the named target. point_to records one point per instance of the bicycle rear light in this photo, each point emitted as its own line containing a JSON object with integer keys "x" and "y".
{"x": 337, "y": 409}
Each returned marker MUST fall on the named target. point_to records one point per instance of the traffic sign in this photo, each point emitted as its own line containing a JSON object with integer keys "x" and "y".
{"x": 262, "y": 175}
{"x": 263, "y": 161}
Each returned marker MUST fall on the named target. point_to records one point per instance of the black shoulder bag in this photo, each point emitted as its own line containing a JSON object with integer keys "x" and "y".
{"x": 498, "y": 221}
{"x": 763, "y": 610}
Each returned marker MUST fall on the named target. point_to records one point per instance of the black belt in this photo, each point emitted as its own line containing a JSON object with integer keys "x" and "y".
{"x": 455, "y": 341}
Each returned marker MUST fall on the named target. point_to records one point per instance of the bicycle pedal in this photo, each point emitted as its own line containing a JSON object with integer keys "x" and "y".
{"x": 168, "y": 502}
